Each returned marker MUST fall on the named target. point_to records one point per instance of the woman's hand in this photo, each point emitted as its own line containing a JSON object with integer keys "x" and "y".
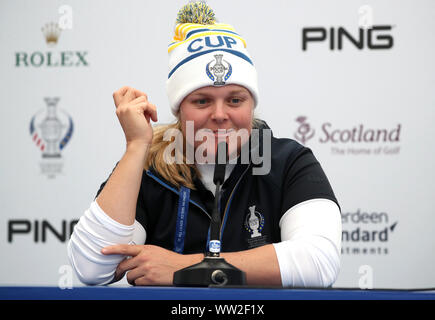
{"x": 149, "y": 264}
{"x": 134, "y": 112}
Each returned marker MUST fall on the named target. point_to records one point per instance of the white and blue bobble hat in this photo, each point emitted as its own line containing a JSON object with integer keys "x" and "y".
{"x": 205, "y": 53}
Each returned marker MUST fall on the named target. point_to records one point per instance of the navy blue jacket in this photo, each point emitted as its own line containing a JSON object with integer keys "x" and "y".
{"x": 295, "y": 176}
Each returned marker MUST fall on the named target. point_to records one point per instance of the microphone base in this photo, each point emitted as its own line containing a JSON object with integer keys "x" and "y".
{"x": 210, "y": 271}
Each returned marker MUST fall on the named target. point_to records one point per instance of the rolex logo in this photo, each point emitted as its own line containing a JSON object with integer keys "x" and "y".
{"x": 51, "y": 58}
{"x": 51, "y": 33}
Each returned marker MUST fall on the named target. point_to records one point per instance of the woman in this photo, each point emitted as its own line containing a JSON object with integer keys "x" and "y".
{"x": 282, "y": 227}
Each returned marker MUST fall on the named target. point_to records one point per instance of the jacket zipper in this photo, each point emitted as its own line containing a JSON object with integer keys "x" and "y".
{"x": 227, "y": 208}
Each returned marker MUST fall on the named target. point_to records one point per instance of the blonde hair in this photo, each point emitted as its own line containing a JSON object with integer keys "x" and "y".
{"x": 176, "y": 173}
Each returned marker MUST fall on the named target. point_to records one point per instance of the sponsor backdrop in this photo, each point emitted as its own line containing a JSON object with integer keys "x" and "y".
{"x": 353, "y": 80}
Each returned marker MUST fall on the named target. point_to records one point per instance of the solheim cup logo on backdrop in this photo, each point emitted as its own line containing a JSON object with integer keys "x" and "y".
{"x": 221, "y": 70}
{"x": 51, "y": 129}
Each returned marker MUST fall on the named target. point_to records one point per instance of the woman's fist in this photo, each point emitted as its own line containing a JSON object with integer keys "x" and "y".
{"x": 134, "y": 112}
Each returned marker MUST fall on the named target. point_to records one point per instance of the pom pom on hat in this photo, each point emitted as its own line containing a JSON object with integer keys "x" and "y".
{"x": 206, "y": 53}
{"x": 196, "y": 12}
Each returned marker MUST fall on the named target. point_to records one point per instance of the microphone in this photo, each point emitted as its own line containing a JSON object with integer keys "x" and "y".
{"x": 213, "y": 269}
{"x": 220, "y": 163}
{"x": 218, "y": 179}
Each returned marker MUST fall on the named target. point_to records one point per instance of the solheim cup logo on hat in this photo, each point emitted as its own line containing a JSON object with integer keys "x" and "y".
{"x": 198, "y": 43}
{"x": 51, "y": 131}
{"x": 219, "y": 70}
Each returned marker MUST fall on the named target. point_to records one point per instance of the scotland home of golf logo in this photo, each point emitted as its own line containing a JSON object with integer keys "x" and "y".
{"x": 358, "y": 139}
{"x": 51, "y": 130}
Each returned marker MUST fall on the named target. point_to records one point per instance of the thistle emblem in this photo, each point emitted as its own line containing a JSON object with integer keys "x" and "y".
{"x": 304, "y": 131}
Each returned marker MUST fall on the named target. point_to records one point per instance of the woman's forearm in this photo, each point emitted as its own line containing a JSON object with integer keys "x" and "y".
{"x": 118, "y": 198}
{"x": 260, "y": 264}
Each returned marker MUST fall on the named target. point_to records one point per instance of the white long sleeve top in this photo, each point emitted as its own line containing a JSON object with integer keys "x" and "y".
{"x": 308, "y": 254}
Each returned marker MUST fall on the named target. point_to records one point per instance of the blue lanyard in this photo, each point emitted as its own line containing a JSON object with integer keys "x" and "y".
{"x": 180, "y": 229}
{"x": 183, "y": 209}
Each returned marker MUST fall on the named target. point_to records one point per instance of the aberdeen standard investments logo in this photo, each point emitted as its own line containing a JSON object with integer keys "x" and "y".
{"x": 51, "y": 58}
{"x": 366, "y": 233}
{"x": 357, "y": 139}
{"x": 51, "y": 130}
